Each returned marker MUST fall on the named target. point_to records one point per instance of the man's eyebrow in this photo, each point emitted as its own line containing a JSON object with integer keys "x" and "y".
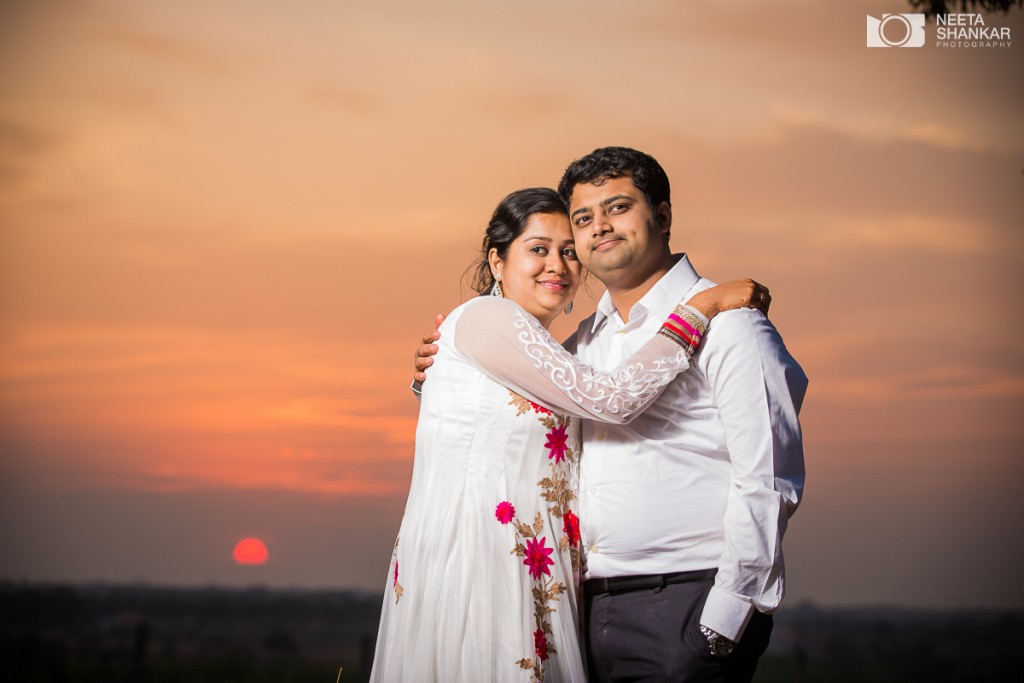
{"x": 612, "y": 200}
{"x": 603, "y": 203}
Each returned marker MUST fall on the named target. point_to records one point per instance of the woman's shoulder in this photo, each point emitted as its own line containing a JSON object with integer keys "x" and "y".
{"x": 484, "y": 308}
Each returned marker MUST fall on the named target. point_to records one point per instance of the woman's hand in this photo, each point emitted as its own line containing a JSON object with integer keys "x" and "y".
{"x": 426, "y": 350}
{"x": 743, "y": 293}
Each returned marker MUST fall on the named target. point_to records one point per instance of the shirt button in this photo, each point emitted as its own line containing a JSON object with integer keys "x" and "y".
{"x": 600, "y": 437}
{"x": 592, "y": 491}
{"x": 592, "y": 548}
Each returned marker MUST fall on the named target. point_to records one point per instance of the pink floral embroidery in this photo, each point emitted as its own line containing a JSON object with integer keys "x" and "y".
{"x": 571, "y": 526}
{"x": 557, "y": 443}
{"x": 397, "y": 586}
{"x": 537, "y": 558}
{"x": 539, "y": 408}
{"x": 557, "y": 492}
{"x": 540, "y": 643}
{"x": 505, "y": 512}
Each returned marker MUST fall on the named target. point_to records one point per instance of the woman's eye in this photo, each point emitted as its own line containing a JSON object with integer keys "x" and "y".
{"x": 539, "y": 250}
{"x": 569, "y": 253}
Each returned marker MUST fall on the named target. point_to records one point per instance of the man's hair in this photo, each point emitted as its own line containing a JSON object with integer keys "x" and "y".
{"x": 618, "y": 162}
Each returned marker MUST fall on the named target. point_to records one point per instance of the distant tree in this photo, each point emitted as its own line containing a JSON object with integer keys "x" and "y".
{"x": 932, "y": 7}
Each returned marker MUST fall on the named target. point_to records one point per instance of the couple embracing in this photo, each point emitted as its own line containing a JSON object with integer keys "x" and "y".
{"x": 610, "y": 508}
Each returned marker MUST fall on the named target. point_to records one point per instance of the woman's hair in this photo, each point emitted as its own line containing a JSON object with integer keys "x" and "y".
{"x": 507, "y": 223}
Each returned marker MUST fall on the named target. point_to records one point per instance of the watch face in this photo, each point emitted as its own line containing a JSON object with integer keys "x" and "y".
{"x": 718, "y": 645}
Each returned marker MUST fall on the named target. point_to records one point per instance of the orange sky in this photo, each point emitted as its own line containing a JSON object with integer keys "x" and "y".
{"x": 223, "y": 227}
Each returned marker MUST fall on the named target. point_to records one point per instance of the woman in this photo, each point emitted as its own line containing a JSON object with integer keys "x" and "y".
{"x": 482, "y": 583}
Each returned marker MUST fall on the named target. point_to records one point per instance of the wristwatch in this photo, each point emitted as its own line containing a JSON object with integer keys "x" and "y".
{"x": 719, "y": 645}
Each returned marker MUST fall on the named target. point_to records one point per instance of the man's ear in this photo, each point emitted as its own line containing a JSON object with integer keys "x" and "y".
{"x": 664, "y": 217}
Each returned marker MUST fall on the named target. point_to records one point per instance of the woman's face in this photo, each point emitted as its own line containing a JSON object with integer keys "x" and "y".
{"x": 540, "y": 271}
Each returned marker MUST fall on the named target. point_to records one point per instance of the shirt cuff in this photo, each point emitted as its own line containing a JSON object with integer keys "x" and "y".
{"x": 726, "y": 613}
{"x": 417, "y": 389}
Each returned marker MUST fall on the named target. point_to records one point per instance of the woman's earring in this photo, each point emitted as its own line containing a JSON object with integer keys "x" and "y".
{"x": 496, "y": 289}
{"x": 568, "y": 309}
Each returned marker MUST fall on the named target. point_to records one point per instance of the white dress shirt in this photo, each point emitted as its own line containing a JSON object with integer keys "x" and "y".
{"x": 709, "y": 475}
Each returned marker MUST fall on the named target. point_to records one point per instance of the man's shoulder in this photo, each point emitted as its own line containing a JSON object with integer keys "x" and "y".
{"x": 702, "y": 284}
{"x": 738, "y": 328}
{"x": 741, "y": 335}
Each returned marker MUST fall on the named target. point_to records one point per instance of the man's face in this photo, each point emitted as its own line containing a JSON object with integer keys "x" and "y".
{"x": 618, "y": 237}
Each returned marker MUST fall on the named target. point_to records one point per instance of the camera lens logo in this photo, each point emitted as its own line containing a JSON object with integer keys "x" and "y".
{"x": 896, "y": 30}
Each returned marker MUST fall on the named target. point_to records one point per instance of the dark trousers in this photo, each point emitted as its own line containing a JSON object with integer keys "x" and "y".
{"x": 654, "y": 636}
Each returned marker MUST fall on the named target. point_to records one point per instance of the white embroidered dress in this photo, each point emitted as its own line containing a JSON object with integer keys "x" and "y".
{"x": 482, "y": 582}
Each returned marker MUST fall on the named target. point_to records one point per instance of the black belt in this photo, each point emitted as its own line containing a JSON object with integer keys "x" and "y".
{"x": 624, "y": 584}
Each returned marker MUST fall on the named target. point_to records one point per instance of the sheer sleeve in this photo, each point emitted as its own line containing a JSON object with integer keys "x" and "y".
{"x": 511, "y": 347}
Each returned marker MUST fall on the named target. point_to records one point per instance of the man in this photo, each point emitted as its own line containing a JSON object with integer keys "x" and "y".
{"x": 682, "y": 510}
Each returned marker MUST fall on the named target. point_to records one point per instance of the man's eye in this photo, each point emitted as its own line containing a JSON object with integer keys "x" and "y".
{"x": 582, "y": 219}
{"x": 619, "y": 207}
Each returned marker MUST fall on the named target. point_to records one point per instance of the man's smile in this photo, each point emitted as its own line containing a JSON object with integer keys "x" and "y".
{"x": 607, "y": 244}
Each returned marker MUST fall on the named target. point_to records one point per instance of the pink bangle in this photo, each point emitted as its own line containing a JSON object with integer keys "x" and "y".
{"x": 685, "y": 327}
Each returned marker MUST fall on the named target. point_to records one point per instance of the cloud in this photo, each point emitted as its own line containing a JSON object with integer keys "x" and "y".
{"x": 21, "y": 146}
{"x": 21, "y": 139}
{"x": 962, "y": 383}
{"x": 525, "y": 104}
{"x": 173, "y": 49}
{"x": 911, "y": 234}
{"x": 351, "y": 100}
{"x": 885, "y": 127}
{"x": 827, "y": 170}
{"x": 348, "y": 416}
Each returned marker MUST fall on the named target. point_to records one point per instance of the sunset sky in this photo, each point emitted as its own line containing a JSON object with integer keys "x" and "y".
{"x": 224, "y": 226}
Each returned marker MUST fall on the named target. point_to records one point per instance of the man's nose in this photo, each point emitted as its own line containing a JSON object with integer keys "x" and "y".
{"x": 601, "y": 224}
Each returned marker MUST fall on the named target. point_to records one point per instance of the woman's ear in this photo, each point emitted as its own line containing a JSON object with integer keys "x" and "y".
{"x": 495, "y": 262}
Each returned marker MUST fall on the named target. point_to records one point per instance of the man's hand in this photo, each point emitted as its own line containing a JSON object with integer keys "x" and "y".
{"x": 425, "y": 352}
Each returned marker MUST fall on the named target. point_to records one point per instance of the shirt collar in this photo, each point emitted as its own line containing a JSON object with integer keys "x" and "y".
{"x": 660, "y": 299}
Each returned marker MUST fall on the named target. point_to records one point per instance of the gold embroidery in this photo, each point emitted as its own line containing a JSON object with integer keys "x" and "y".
{"x": 556, "y": 490}
{"x": 522, "y": 405}
{"x": 397, "y": 586}
{"x": 544, "y": 592}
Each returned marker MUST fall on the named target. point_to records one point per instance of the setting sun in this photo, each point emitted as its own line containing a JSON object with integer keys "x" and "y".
{"x": 250, "y": 551}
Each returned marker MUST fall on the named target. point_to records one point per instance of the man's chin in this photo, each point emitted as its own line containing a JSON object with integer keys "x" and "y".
{"x": 608, "y": 265}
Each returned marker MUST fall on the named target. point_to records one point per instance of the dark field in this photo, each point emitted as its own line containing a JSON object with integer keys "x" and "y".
{"x": 141, "y": 634}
